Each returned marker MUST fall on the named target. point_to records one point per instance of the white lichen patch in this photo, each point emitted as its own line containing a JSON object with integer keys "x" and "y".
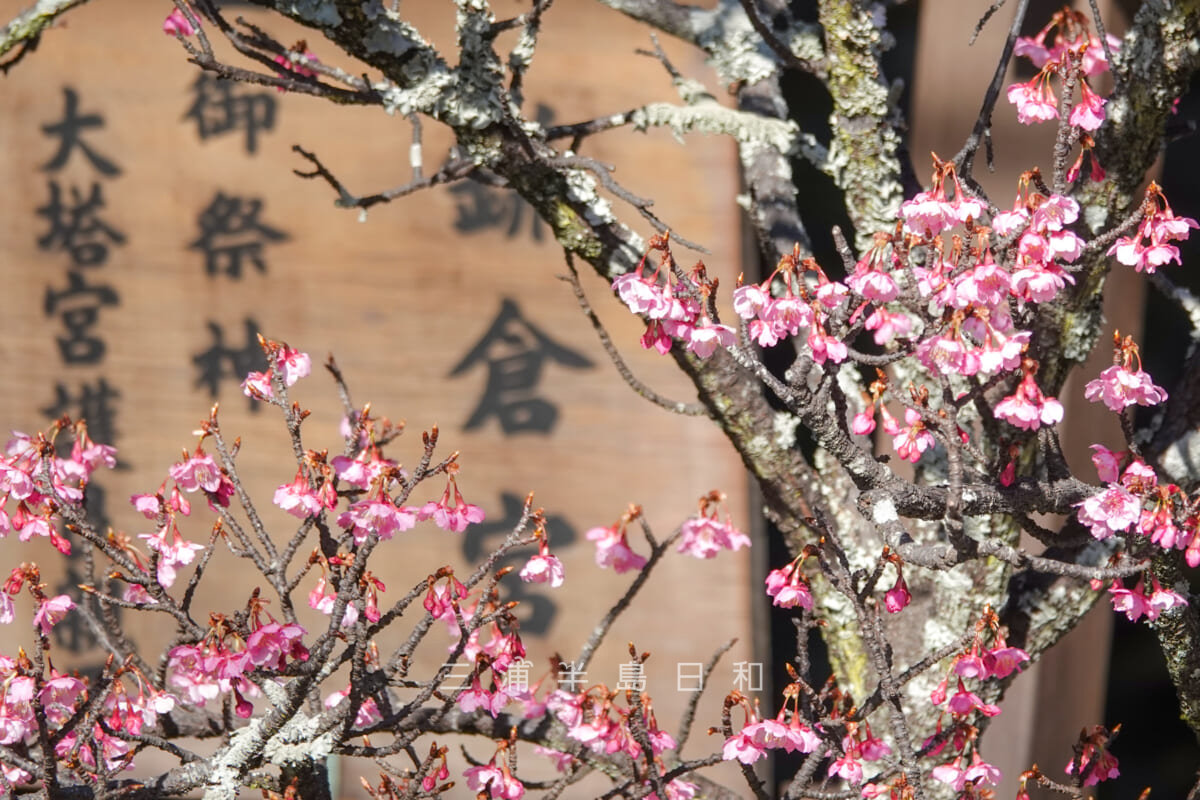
{"x": 735, "y": 50}
{"x": 783, "y": 428}
{"x": 581, "y": 189}
{"x": 883, "y": 512}
{"x": 712, "y": 118}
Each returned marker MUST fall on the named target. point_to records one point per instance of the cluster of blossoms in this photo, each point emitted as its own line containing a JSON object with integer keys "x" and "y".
{"x": 223, "y": 660}
{"x": 1074, "y": 54}
{"x": 1133, "y": 497}
{"x": 680, "y": 308}
{"x": 50, "y": 610}
{"x": 787, "y": 731}
{"x": 1094, "y": 762}
{"x": 59, "y": 699}
{"x": 39, "y": 481}
{"x": 787, "y": 586}
{"x": 702, "y": 536}
{"x": 771, "y": 319}
{"x": 705, "y": 535}
{"x": 977, "y": 663}
{"x": 286, "y": 364}
{"x": 495, "y": 779}
{"x": 1119, "y": 386}
{"x": 1151, "y": 247}
{"x": 596, "y": 721}
{"x": 612, "y": 543}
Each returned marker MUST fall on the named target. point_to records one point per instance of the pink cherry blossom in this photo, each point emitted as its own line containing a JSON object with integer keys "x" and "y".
{"x": 1002, "y": 661}
{"x": 543, "y": 568}
{"x": 1027, "y": 408}
{"x": 964, "y": 702}
{"x": 926, "y": 215}
{"x": 612, "y": 549}
{"x": 896, "y": 598}
{"x": 177, "y": 24}
{"x": 292, "y": 363}
{"x": 380, "y": 516}
{"x": 914, "y": 439}
{"x": 1035, "y": 101}
{"x": 878, "y": 287}
{"x": 750, "y": 300}
{"x": 197, "y": 473}
{"x": 1007, "y": 223}
{"x": 50, "y": 612}
{"x": 863, "y": 423}
{"x": 788, "y": 588}
{"x": 1119, "y": 387}
{"x": 1110, "y": 511}
{"x": 1135, "y": 603}
{"x": 173, "y": 551}
{"x": 1089, "y": 113}
{"x": 451, "y": 516}
{"x": 498, "y": 782}
{"x": 847, "y": 766}
{"x": 1108, "y": 463}
{"x": 270, "y": 645}
{"x": 1039, "y": 282}
{"x": 368, "y": 711}
{"x": 743, "y": 747}
{"x": 258, "y": 386}
{"x": 301, "y": 501}
{"x": 887, "y": 325}
{"x": 643, "y": 296}
{"x": 704, "y": 537}
{"x": 825, "y": 347}
{"x": 706, "y": 337}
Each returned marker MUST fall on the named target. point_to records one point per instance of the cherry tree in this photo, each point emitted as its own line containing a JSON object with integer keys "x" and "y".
{"x": 920, "y": 391}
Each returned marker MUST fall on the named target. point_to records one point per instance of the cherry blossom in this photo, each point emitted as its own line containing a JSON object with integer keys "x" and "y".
{"x": 898, "y": 596}
{"x": 612, "y": 549}
{"x": 451, "y": 516}
{"x": 1035, "y": 101}
{"x": 543, "y": 568}
{"x": 706, "y": 337}
{"x": 1149, "y": 248}
{"x": 197, "y": 473}
{"x": 1027, "y": 408}
{"x": 788, "y": 587}
{"x": 368, "y": 710}
{"x": 173, "y": 551}
{"x": 964, "y": 702}
{"x": 272, "y": 644}
{"x": 1089, "y": 113}
{"x": 300, "y": 500}
{"x": 51, "y": 611}
{"x": 1096, "y": 763}
{"x": 1135, "y": 603}
{"x": 1110, "y": 511}
{"x": 743, "y": 747}
{"x": 379, "y": 516}
{"x": 1119, "y": 386}
{"x": 914, "y": 439}
{"x": 177, "y": 24}
{"x": 705, "y": 536}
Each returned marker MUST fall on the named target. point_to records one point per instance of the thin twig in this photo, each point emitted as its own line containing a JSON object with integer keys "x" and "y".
{"x": 641, "y": 389}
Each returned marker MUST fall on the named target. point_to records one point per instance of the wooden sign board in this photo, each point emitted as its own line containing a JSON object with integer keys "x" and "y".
{"x": 152, "y": 226}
